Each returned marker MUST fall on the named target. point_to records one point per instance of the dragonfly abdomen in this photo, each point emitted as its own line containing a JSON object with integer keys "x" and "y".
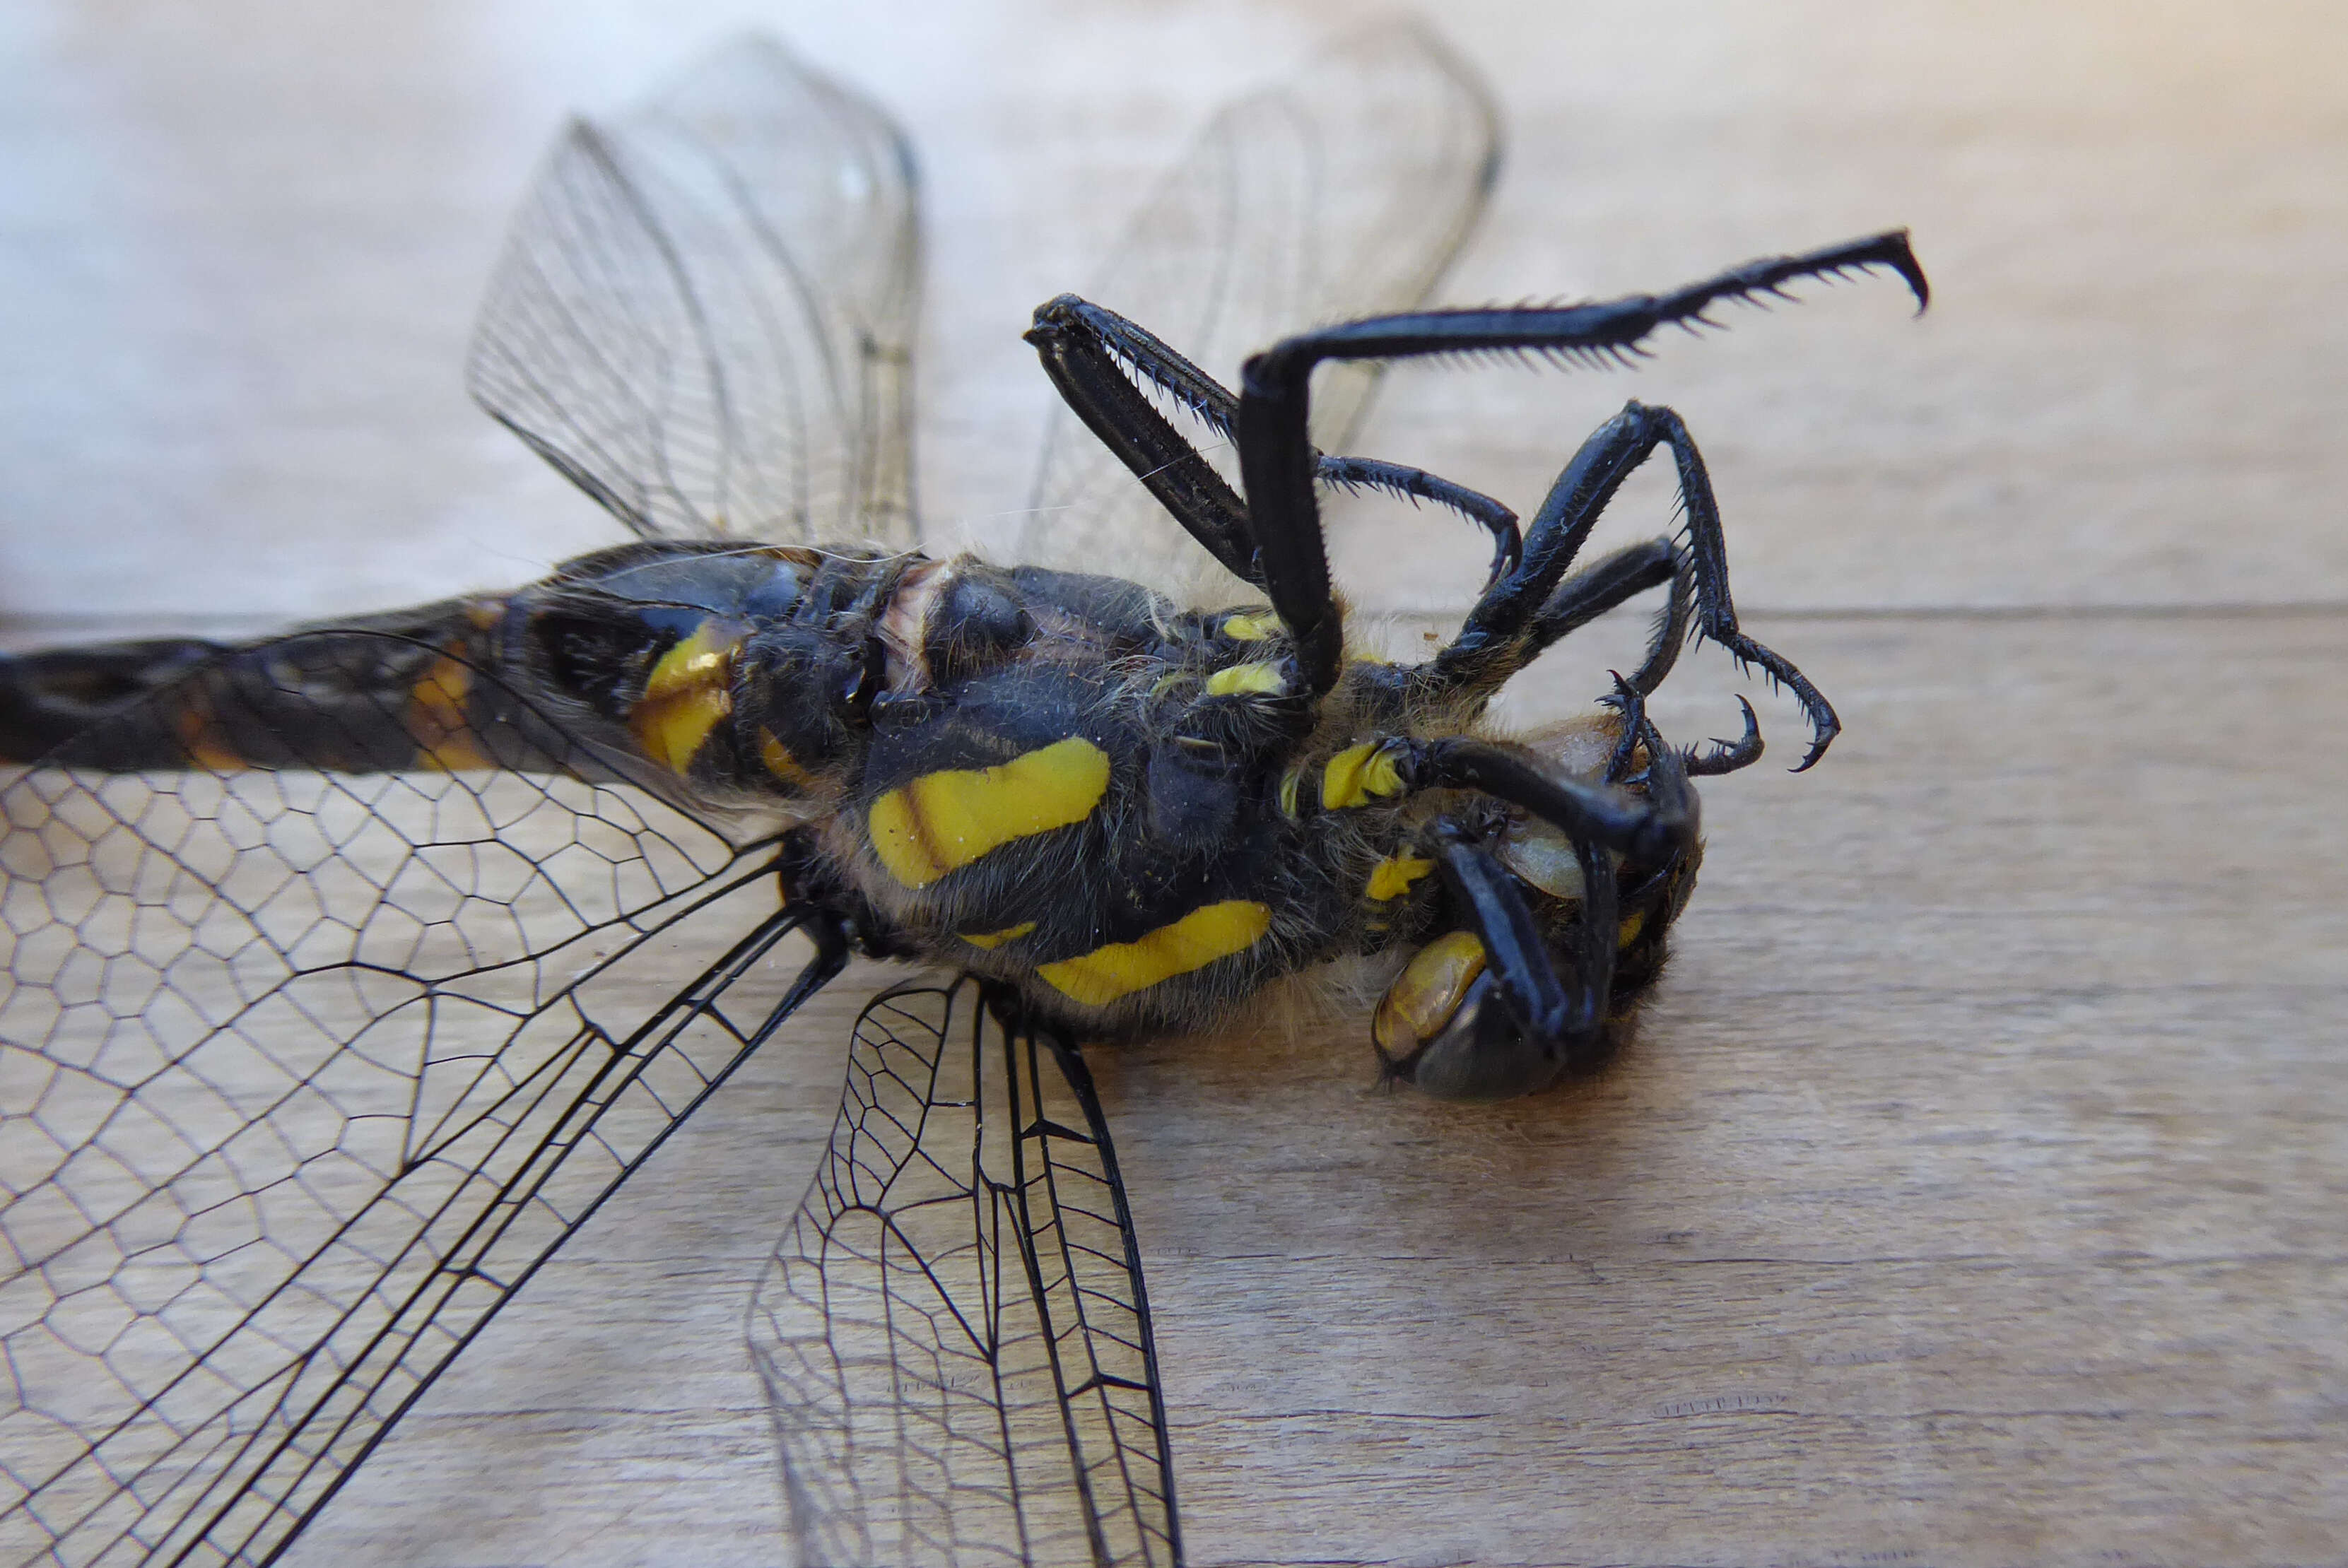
{"x": 410, "y": 691}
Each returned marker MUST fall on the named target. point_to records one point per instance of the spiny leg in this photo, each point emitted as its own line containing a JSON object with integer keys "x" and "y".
{"x": 1649, "y": 829}
{"x": 1505, "y": 629}
{"x": 1620, "y": 578}
{"x": 1082, "y": 346}
{"x": 1591, "y": 592}
{"x": 1094, "y": 357}
{"x": 1418, "y": 485}
{"x": 1499, "y": 636}
{"x": 1277, "y": 465}
{"x": 1727, "y": 756}
{"x": 1632, "y": 703}
{"x": 1715, "y": 611}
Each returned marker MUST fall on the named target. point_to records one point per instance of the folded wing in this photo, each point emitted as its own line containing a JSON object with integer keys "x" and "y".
{"x": 705, "y": 313}
{"x": 308, "y": 1069}
{"x": 1345, "y": 192}
{"x": 953, "y": 1333}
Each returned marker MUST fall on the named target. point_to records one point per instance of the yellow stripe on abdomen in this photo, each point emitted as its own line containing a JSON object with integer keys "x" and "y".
{"x": 689, "y": 690}
{"x": 1213, "y": 931}
{"x": 435, "y": 718}
{"x": 200, "y": 739}
{"x": 941, "y": 821}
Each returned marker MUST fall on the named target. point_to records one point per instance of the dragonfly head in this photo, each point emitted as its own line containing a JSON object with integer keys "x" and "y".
{"x": 1459, "y": 1024}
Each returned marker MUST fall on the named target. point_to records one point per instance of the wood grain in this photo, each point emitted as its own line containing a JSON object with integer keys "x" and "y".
{"x": 1974, "y": 1191}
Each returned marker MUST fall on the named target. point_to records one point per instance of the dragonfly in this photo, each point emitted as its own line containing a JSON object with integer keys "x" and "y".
{"x": 340, "y": 976}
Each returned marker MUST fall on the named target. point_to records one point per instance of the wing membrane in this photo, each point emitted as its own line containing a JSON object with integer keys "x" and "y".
{"x": 953, "y": 1332}
{"x": 1343, "y": 193}
{"x": 306, "y": 1072}
{"x": 705, "y": 313}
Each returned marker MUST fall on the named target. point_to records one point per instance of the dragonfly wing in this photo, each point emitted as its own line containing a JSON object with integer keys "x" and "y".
{"x": 305, "y": 1073}
{"x": 1345, "y": 192}
{"x": 953, "y": 1333}
{"x": 705, "y": 313}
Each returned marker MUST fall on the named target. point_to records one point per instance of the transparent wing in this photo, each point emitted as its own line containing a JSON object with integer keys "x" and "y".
{"x": 705, "y": 313}
{"x": 1343, "y": 193}
{"x": 305, "y": 1072}
{"x": 953, "y": 1335}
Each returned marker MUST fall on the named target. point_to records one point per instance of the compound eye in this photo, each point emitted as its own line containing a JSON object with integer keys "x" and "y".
{"x": 1444, "y": 1028}
{"x": 1420, "y": 1004}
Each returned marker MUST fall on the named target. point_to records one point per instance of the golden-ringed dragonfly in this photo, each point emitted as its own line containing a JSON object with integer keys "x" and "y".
{"x": 334, "y": 984}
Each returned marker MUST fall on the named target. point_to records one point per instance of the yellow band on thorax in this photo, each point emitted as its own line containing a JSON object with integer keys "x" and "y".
{"x": 941, "y": 821}
{"x": 1359, "y": 774}
{"x": 1257, "y": 680}
{"x": 1392, "y": 878}
{"x": 688, "y": 691}
{"x": 778, "y": 761}
{"x": 1213, "y": 931}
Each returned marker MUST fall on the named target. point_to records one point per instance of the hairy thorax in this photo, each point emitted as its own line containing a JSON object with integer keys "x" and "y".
{"x": 1062, "y": 781}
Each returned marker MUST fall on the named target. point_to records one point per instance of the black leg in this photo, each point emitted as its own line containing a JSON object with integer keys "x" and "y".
{"x": 1620, "y": 578}
{"x": 1662, "y": 651}
{"x": 1496, "y": 641}
{"x": 1083, "y": 347}
{"x": 1277, "y": 465}
{"x": 1649, "y": 829}
{"x": 1503, "y": 632}
{"x": 1526, "y": 1020}
{"x": 1715, "y": 612}
{"x": 1418, "y": 485}
{"x": 1534, "y": 1014}
{"x": 1632, "y": 703}
{"x": 1727, "y": 756}
{"x": 1094, "y": 357}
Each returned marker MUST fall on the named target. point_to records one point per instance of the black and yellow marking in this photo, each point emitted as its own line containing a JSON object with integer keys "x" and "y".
{"x": 943, "y": 821}
{"x": 785, "y": 768}
{"x": 989, "y": 940}
{"x": 688, "y": 691}
{"x": 1359, "y": 774}
{"x": 437, "y": 718}
{"x": 200, "y": 739}
{"x": 1289, "y": 784}
{"x": 1248, "y": 627}
{"x": 1260, "y": 679}
{"x": 1392, "y": 878}
{"x": 1209, "y": 932}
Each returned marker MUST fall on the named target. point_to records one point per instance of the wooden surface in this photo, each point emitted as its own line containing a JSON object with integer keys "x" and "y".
{"x": 1975, "y": 1194}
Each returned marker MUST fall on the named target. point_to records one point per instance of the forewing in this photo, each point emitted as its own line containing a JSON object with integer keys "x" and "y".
{"x": 705, "y": 313}
{"x": 304, "y": 1073}
{"x": 953, "y": 1335}
{"x": 1343, "y": 193}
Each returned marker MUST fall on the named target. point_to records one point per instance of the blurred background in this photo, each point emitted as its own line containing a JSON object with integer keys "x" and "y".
{"x": 240, "y": 245}
{"x": 1974, "y": 1194}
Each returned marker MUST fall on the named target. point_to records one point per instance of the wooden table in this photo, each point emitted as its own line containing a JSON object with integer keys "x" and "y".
{"x": 1974, "y": 1191}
